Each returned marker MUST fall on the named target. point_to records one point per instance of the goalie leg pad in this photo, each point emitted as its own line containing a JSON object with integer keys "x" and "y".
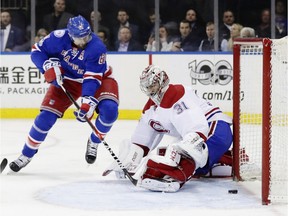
{"x": 172, "y": 164}
{"x": 159, "y": 185}
{"x": 181, "y": 173}
{"x": 152, "y": 171}
{"x": 227, "y": 158}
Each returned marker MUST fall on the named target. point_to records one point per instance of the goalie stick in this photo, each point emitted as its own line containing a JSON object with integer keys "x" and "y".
{"x": 4, "y": 163}
{"x": 134, "y": 181}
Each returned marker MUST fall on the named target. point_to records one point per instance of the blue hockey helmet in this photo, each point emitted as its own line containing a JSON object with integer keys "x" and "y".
{"x": 78, "y": 27}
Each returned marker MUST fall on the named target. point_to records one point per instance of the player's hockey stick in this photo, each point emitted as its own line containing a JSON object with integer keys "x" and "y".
{"x": 3, "y": 164}
{"x": 134, "y": 181}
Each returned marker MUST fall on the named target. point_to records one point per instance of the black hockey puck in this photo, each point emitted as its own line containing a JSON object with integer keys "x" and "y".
{"x": 232, "y": 191}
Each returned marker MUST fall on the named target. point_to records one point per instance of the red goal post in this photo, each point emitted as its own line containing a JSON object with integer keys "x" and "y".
{"x": 260, "y": 114}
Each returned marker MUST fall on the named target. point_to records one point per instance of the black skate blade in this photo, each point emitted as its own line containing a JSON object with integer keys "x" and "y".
{"x": 4, "y": 163}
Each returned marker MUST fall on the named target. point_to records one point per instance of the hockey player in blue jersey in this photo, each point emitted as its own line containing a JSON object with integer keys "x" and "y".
{"x": 76, "y": 59}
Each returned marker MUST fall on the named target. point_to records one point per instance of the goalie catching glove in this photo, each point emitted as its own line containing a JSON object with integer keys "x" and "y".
{"x": 53, "y": 71}
{"x": 88, "y": 105}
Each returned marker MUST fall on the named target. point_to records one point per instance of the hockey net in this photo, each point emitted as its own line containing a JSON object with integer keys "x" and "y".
{"x": 260, "y": 115}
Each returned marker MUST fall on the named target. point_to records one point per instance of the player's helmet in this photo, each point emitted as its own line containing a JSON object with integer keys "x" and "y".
{"x": 154, "y": 82}
{"x": 79, "y": 30}
{"x": 78, "y": 27}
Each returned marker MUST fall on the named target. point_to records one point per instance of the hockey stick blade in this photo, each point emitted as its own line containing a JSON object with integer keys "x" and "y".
{"x": 129, "y": 176}
{"x": 4, "y": 163}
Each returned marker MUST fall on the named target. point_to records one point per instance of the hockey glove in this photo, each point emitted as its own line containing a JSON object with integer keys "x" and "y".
{"x": 87, "y": 108}
{"x": 53, "y": 71}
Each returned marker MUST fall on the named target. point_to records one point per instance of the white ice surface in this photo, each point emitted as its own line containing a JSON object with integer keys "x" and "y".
{"x": 59, "y": 182}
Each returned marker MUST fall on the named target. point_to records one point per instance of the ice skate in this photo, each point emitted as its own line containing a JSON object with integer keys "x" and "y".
{"x": 19, "y": 163}
{"x": 91, "y": 152}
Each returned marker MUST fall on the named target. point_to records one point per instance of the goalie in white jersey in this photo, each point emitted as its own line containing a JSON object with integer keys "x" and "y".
{"x": 204, "y": 134}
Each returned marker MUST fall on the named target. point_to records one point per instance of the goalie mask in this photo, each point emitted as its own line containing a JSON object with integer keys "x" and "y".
{"x": 154, "y": 83}
{"x": 79, "y": 31}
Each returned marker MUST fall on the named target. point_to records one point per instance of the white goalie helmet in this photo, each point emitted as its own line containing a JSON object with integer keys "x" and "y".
{"x": 154, "y": 82}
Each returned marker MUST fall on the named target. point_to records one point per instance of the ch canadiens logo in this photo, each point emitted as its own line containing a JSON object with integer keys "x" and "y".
{"x": 157, "y": 126}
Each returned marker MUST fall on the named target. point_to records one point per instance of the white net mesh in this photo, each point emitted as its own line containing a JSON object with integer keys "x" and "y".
{"x": 251, "y": 85}
{"x": 279, "y": 121}
{"x": 250, "y": 110}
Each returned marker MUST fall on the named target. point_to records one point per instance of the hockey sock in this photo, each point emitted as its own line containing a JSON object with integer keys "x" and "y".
{"x": 108, "y": 113}
{"x": 38, "y": 132}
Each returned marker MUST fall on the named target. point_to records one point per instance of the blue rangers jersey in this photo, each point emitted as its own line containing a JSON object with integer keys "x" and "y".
{"x": 86, "y": 66}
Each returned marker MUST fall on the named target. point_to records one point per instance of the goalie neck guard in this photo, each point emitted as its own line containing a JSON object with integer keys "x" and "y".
{"x": 154, "y": 82}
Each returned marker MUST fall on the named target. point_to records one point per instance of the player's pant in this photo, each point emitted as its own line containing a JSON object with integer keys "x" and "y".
{"x": 219, "y": 141}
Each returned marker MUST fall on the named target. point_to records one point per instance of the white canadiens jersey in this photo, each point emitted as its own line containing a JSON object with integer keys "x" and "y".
{"x": 181, "y": 111}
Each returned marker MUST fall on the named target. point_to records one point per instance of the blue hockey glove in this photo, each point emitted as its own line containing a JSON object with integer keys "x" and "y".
{"x": 87, "y": 108}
